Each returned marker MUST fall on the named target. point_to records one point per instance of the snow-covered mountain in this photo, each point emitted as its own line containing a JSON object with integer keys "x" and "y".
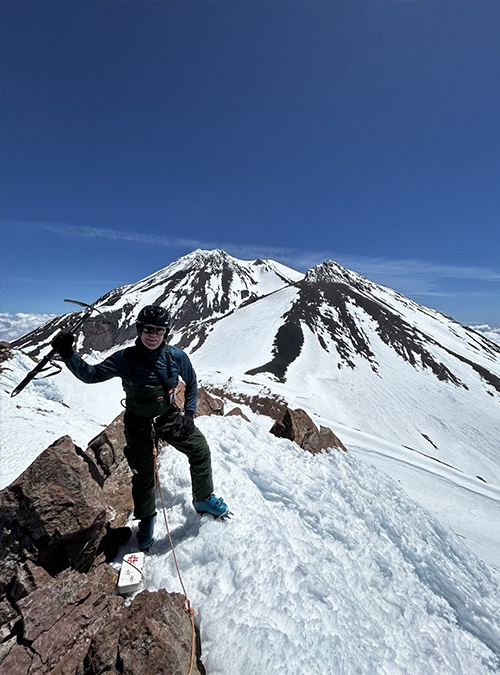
{"x": 359, "y": 357}
{"x": 200, "y": 287}
{"x": 328, "y": 565}
{"x": 369, "y": 358}
{"x": 330, "y": 341}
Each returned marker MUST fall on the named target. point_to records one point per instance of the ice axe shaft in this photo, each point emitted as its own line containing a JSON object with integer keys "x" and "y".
{"x": 48, "y": 357}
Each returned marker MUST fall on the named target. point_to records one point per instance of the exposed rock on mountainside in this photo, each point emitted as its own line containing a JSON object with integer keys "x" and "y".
{"x": 58, "y": 611}
{"x": 329, "y": 302}
{"x": 5, "y": 353}
{"x": 238, "y": 412}
{"x": 296, "y": 425}
{"x": 207, "y": 404}
{"x": 73, "y": 624}
{"x": 56, "y": 617}
{"x": 152, "y": 635}
{"x": 106, "y": 450}
{"x": 286, "y": 348}
{"x": 270, "y": 405}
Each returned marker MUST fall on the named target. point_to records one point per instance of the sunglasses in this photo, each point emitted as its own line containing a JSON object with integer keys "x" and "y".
{"x": 158, "y": 330}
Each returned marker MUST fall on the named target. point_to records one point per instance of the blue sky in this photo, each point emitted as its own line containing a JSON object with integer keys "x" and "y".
{"x": 367, "y": 132}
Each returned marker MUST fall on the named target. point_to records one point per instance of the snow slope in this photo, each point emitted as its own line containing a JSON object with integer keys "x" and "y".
{"x": 326, "y": 567}
{"x": 46, "y": 410}
{"x": 492, "y": 334}
{"x": 390, "y": 398}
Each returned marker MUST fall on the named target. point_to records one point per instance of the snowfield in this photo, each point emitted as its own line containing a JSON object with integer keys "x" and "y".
{"x": 46, "y": 410}
{"x": 327, "y": 566}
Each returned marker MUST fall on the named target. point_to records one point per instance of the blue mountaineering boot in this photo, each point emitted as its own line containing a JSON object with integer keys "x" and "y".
{"x": 145, "y": 533}
{"x": 213, "y": 505}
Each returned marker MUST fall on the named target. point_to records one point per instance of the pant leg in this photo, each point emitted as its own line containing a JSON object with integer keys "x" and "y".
{"x": 139, "y": 455}
{"x": 197, "y": 450}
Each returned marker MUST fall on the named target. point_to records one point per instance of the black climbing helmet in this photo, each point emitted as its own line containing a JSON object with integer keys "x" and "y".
{"x": 153, "y": 315}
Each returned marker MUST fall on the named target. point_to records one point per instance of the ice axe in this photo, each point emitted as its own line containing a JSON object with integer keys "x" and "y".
{"x": 42, "y": 366}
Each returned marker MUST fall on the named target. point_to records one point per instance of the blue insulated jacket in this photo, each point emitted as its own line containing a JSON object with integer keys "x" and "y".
{"x": 142, "y": 370}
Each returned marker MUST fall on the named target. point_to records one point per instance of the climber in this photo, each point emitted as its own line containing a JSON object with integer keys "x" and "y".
{"x": 150, "y": 371}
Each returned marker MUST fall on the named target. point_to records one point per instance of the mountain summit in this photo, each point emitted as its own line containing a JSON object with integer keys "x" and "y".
{"x": 203, "y": 285}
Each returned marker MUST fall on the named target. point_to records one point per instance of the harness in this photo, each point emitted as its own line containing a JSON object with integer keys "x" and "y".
{"x": 144, "y": 397}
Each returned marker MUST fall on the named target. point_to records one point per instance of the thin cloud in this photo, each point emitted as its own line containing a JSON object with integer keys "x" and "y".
{"x": 92, "y": 233}
{"x": 422, "y": 278}
{"x": 466, "y": 294}
{"x": 48, "y": 281}
{"x": 407, "y": 267}
{"x": 411, "y": 276}
{"x": 250, "y": 251}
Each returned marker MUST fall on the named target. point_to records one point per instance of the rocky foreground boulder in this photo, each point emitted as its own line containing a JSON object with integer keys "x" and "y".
{"x": 297, "y": 426}
{"x": 60, "y": 521}
{"x": 207, "y": 404}
{"x": 106, "y": 451}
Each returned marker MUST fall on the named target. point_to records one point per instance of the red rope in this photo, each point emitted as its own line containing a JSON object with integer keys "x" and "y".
{"x": 187, "y": 605}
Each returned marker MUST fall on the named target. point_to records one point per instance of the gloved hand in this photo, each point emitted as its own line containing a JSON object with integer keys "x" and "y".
{"x": 63, "y": 344}
{"x": 184, "y": 424}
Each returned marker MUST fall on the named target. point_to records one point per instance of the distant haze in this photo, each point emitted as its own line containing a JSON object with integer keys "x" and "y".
{"x": 13, "y": 326}
{"x": 492, "y": 334}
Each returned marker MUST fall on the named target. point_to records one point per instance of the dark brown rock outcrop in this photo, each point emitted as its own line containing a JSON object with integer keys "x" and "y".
{"x": 58, "y": 610}
{"x": 5, "y": 353}
{"x": 73, "y": 624}
{"x": 148, "y": 637}
{"x": 237, "y": 412}
{"x": 207, "y": 404}
{"x": 271, "y": 405}
{"x": 106, "y": 450}
{"x": 54, "y": 512}
{"x": 57, "y": 618}
{"x": 296, "y": 425}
